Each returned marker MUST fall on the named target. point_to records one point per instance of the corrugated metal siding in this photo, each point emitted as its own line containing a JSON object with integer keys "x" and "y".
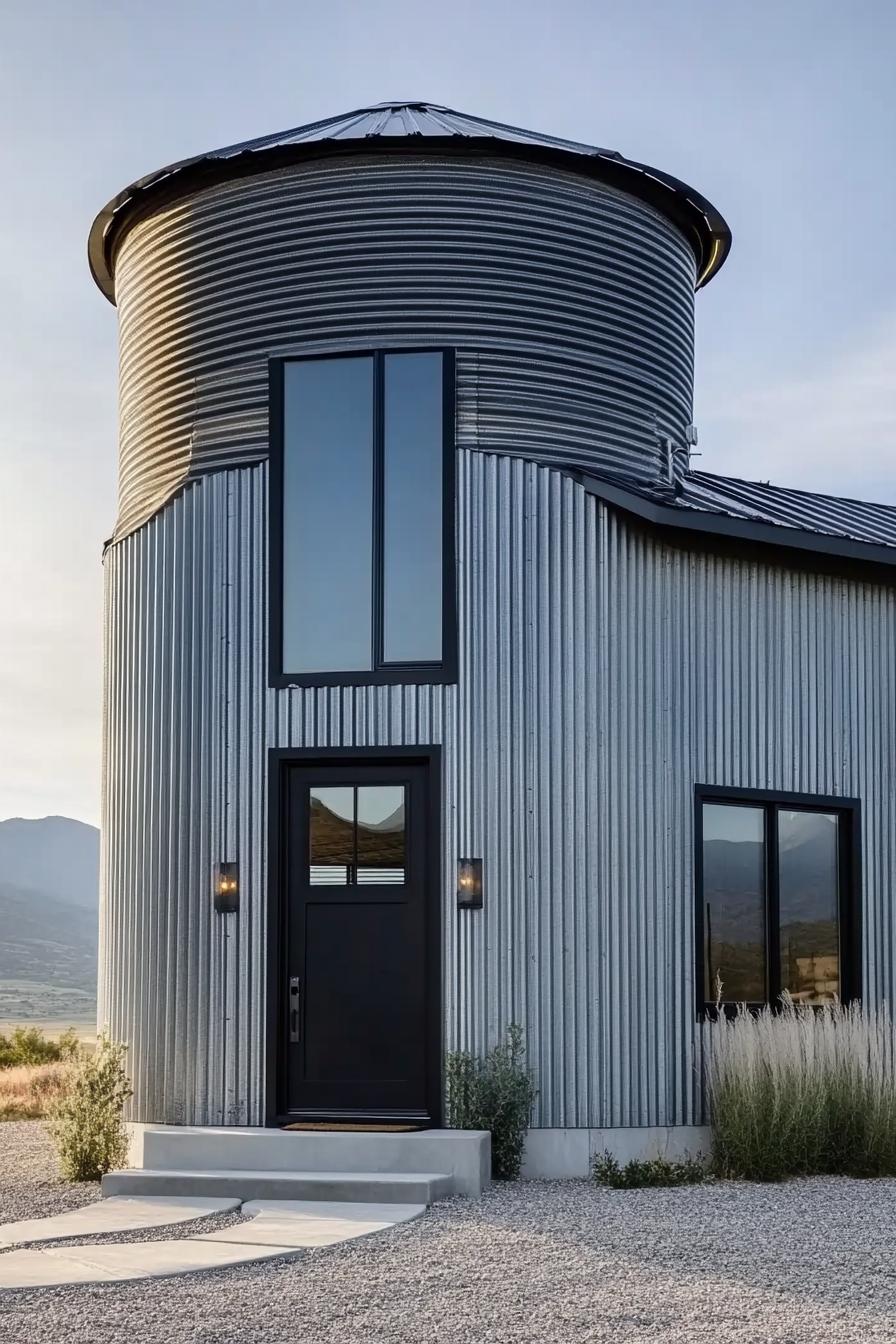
{"x": 601, "y": 675}
{"x": 571, "y": 305}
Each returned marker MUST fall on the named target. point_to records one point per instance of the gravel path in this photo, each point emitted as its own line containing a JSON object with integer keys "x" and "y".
{"x": 813, "y": 1261}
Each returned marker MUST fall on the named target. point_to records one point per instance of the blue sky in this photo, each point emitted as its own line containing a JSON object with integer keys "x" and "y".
{"x": 783, "y": 114}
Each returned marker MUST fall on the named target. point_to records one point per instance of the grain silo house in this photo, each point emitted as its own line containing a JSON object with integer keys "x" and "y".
{"x": 441, "y": 692}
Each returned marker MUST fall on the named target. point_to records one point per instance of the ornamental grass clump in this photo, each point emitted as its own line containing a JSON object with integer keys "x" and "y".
{"x": 87, "y": 1122}
{"x": 496, "y": 1093}
{"x": 802, "y": 1091}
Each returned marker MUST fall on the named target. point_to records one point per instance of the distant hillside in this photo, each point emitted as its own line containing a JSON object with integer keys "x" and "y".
{"x": 53, "y": 854}
{"x": 49, "y": 893}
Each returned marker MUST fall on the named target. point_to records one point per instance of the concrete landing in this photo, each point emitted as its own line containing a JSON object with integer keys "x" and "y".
{"x": 464, "y": 1155}
{"x": 278, "y": 1228}
{"x": 119, "y": 1214}
{"x": 394, "y": 1187}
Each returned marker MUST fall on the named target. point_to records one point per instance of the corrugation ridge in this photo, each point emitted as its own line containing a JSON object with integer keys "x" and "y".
{"x": 579, "y": 297}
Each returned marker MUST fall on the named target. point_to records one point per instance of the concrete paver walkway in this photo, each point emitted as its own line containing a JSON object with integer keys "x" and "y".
{"x": 277, "y": 1228}
{"x": 117, "y": 1214}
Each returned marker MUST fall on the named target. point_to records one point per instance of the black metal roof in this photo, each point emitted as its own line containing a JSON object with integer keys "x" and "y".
{"x": 779, "y": 506}
{"x": 755, "y": 511}
{"x": 389, "y": 127}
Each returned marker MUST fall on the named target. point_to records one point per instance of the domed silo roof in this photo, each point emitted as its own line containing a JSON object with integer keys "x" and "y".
{"x": 398, "y": 127}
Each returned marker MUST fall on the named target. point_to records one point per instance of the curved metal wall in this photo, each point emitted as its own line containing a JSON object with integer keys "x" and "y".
{"x": 570, "y": 304}
{"x": 602, "y": 673}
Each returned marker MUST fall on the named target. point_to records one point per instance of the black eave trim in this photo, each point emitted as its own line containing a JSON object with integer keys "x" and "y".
{"x": 698, "y": 531}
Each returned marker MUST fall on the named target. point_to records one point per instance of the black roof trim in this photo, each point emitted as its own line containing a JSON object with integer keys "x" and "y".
{"x": 877, "y": 562}
{"x": 703, "y": 226}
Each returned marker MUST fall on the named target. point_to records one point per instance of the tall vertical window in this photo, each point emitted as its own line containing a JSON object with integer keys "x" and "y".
{"x": 362, "y": 529}
{"x": 776, "y": 897}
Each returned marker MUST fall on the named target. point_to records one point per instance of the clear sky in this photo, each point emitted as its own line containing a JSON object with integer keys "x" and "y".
{"x": 782, "y": 112}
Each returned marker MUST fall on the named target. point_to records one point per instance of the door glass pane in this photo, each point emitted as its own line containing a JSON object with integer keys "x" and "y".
{"x": 809, "y": 887}
{"x": 734, "y": 902}
{"x": 327, "y": 515}
{"x": 331, "y": 842}
{"x": 381, "y": 833}
{"x": 412, "y": 486}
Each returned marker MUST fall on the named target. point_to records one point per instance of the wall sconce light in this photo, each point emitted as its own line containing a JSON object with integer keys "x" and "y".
{"x": 227, "y": 889}
{"x": 469, "y": 884}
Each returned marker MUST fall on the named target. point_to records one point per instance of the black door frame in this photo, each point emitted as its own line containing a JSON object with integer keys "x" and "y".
{"x": 279, "y": 761}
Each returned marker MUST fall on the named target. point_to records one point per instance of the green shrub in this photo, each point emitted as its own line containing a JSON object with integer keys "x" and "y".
{"x": 496, "y": 1093}
{"x": 802, "y": 1091}
{"x": 654, "y": 1171}
{"x": 87, "y": 1121}
{"x": 29, "y": 1045}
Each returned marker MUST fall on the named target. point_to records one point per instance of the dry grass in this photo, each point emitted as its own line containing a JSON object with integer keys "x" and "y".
{"x": 803, "y": 1091}
{"x": 27, "y": 1091}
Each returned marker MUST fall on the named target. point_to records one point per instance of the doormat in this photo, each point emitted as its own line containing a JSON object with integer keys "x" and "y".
{"x": 356, "y": 1129}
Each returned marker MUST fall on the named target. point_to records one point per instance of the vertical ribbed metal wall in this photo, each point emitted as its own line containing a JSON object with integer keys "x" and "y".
{"x": 602, "y": 675}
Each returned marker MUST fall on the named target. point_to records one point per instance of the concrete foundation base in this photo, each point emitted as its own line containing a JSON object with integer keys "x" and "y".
{"x": 554, "y": 1154}
{"x": 464, "y": 1155}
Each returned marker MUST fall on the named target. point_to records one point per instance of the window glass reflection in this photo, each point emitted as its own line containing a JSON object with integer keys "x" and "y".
{"x": 734, "y": 902}
{"x": 381, "y": 834}
{"x": 808, "y": 895}
{"x": 331, "y": 841}
{"x": 412, "y": 502}
{"x": 327, "y": 515}
{"x": 356, "y": 835}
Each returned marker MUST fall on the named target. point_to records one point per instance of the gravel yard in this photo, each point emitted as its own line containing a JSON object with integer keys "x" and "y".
{"x": 29, "y": 1182}
{"x": 810, "y": 1261}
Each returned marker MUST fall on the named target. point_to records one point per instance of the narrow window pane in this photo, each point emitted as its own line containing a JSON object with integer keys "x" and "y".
{"x": 381, "y": 833}
{"x": 331, "y": 842}
{"x": 809, "y": 886}
{"x": 412, "y": 486}
{"x": 734, "y": 902}
{"x": 327, "y": 515}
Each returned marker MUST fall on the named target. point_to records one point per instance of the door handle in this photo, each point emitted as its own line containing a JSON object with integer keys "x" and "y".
{"x": 295, "y": 989}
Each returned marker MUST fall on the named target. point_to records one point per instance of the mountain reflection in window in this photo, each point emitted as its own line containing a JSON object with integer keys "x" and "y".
{"x": 808, "y": 904}
{"x": 773, "y": 880}
{"x": 734, "y": 901}
{"x": 357, "y": 835}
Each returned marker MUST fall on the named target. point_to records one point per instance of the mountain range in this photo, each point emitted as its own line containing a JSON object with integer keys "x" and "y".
{"x": 49, "y": 893}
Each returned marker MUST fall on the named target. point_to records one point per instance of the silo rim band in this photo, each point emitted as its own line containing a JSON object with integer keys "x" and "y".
{"x": 702, "y": 225}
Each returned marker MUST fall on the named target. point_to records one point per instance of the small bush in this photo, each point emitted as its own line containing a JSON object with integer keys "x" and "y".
{"x": 28, "y": 1091}
{"x": 87, "y": 1121}
{"x": 802, "y": 1091}
{"x": 496, "y": 1093}
{"x": 654, "y": 1171}
{"x": 29, "y": 1045}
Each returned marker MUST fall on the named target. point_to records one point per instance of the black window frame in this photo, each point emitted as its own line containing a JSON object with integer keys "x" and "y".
{"x": 849, "y": 859}
{"x": 382, "y": 673}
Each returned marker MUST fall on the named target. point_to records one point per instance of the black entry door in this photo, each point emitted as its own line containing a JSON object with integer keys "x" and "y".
{"x": 355, "y": 998}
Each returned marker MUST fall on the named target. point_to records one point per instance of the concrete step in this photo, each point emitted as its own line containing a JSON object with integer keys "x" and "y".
{"x": 359, "y": 1187}
{"x": 464, "y": 1154}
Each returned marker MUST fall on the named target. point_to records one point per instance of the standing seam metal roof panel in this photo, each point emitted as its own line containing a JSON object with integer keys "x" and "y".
{"x": 779, "y": 506}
